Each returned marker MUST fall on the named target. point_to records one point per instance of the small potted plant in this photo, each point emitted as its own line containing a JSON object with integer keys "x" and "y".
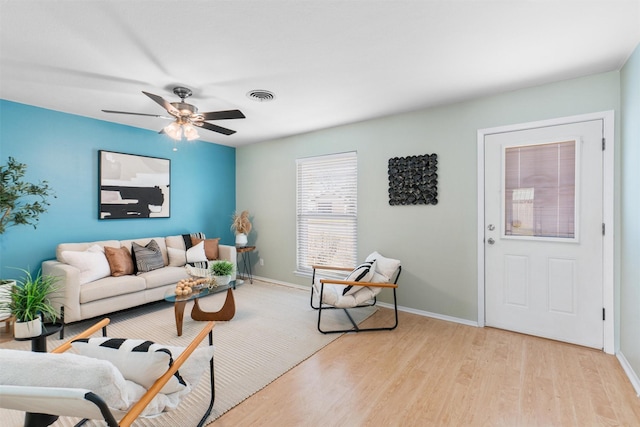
{"x": 221, "y": 272}
{"x": 30, "y": 301}
{"x": 241, "y": 225}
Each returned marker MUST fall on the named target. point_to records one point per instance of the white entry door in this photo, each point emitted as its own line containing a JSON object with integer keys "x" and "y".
{"x": 544, "y": 232}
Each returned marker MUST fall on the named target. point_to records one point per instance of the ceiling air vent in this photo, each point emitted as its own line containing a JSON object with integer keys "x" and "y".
{"x": 261, "y": 95}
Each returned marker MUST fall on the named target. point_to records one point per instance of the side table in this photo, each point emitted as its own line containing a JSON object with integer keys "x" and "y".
{"x": 244, "y": 252}
{"x": 39, "y": 343}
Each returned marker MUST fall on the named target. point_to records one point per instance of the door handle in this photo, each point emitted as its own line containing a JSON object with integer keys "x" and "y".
{"x": 491, "y": 241}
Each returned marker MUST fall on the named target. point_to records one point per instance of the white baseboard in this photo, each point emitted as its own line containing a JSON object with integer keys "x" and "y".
{"x": 386, "y": 305}
{"x": 631, "y": 374}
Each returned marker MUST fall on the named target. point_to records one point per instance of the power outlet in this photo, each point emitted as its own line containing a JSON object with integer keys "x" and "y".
{"x": 261, "y": 262}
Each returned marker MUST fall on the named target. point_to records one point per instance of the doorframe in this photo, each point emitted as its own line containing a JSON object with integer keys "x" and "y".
{"x": 608, "y": 199}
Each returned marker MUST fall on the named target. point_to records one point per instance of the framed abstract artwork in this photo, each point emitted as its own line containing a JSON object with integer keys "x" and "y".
{"x": 133, "y": 186}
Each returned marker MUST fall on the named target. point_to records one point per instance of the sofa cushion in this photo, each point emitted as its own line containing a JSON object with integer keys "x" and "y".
{"x": 111, "y": 287}
{"x": 83, "y": 247}
{"x": 92, "y": 263}
{"x": 196, "y": 254}
{"x": 210, "y": 247}
{"x": 163, "y": 276}
{"x": 120, "y": 261}
{"x": 147, "y": 257}
{"x": 144, "y": 241}
{"x": 177, "y": 257}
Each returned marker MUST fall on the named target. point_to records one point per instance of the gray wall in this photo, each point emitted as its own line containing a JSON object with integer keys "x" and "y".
{"x": 629, "y": 257}
{"x": 437, "y": 244}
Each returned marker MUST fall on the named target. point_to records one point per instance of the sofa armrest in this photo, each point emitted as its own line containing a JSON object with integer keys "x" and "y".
{"x": 69, "y": 284}
{"x": 228, "y": 253}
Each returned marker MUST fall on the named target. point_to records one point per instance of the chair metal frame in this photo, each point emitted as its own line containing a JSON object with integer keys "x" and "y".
{"x": 322, "y": 306}
{"x": 40, "y": 420}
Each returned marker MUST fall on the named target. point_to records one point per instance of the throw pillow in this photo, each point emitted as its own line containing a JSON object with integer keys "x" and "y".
{"x": 148, "y": 257}
{"x": 140, "y": 361}
{"x": 196, "y": 253}
{"x": 210, "y": 247}
{"x": 177, "y": 257}
{"x": 92, "y": 263}
{"x": 385, "y": 266}
{"x": 362, "y": 273}
{"x": 120, "y": 261}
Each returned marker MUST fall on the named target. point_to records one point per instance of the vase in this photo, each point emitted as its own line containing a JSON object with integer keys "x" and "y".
{"x": 241, "y": 239}
{"x": 222, "y": 280}
{"x": 28, "y": 329}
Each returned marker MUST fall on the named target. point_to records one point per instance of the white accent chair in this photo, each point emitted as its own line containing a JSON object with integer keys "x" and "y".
{"x": 358, "y": 289}
{"x": 101, "y": 392}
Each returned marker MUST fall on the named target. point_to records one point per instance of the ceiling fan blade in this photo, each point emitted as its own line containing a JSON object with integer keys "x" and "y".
{"x": 223, "y": 115}
{"x": 163, "y": 103}
{"x": 215, "y": 128}
{"x": 136, "y": 114}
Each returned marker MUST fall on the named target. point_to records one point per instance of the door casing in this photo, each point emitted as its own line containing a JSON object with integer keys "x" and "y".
{"x": 608, "y": 119}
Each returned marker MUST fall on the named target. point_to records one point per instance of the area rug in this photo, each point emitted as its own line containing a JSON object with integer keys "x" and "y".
{"x": 274, "y": 329}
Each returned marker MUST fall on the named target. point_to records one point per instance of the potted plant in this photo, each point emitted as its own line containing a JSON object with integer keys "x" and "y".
{"x": 221, "y": 272}
{"x": 17, "y": 204}
{"x": 241, "y": 225}
{"x": 21, "y": 203}
{"x": 31, "y": 301}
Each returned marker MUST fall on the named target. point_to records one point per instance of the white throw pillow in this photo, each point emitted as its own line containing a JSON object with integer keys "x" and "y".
{"x": 385, "y": 266}
{"x": 362, "y": 273}
{"x": 196, "y": 253}
{"x": 92, "y": 263}
{"x": 177, "y": 257}
{"x": 140, "y": 361}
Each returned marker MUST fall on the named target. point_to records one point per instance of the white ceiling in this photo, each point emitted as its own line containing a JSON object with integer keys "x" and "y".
{"x": 328, "y": 62}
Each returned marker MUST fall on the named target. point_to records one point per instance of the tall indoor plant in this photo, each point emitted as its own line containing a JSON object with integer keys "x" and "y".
{"x": 21, "y": 203}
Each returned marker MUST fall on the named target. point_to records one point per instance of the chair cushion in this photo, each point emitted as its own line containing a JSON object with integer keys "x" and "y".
{"x": 26, "y": 368}
{"x": 362, "y": 273}
{"x": 140, "y": 361}
{"x": 385, "y": 266}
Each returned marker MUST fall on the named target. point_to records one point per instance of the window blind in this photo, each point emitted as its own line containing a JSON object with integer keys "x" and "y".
{"x": 326, "y": 219}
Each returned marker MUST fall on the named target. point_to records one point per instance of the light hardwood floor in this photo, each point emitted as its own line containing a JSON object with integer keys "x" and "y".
{"x": 430, "y": 372}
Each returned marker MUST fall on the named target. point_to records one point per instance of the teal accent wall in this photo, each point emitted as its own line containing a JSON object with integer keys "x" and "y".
{"x": 63, "y": 149}
{"x": 629, "y": 257}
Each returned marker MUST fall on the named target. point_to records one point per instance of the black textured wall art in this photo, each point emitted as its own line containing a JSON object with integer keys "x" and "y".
{"x": 413, "y": 180}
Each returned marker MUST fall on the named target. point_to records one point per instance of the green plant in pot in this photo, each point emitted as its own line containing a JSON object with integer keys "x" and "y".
{"x": 31, "y": 301}
{"x": 221, "y": 272}
{"x": 21, "y": 203}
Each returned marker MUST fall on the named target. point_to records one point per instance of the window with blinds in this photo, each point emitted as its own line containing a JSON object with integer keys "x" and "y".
{"x": 327, "y": 196}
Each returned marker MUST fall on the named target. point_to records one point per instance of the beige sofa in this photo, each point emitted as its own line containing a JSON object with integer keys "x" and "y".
{"x": 90, "y": 291}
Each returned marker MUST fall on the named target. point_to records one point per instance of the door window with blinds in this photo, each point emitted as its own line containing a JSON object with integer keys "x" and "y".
{"x": 327, "y": 195}
{"x": 540, "y": 190}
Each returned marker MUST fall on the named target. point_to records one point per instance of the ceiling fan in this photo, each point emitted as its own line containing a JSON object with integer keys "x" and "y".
{"x": 187, "y": 116}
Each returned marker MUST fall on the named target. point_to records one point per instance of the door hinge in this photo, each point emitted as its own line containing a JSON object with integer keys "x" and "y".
{"x": 603, "y": 229}
{"x": 604, "y": 144}
{"x": 603, "y": 316}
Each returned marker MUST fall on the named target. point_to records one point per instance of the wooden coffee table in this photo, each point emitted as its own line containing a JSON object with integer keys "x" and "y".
{"x": 225, "y": 313}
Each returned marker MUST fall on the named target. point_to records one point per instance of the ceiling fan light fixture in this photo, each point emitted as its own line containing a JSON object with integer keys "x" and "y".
{"x": 190, "y": 132}
{"x": 174, "y": 130}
